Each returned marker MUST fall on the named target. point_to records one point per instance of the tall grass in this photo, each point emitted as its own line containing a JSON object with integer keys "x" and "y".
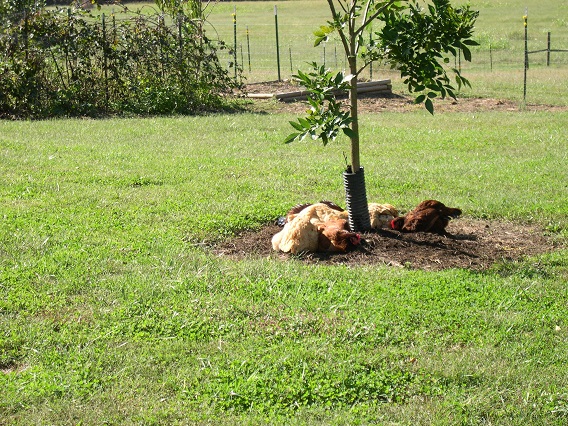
{"x": 113, "y": 308}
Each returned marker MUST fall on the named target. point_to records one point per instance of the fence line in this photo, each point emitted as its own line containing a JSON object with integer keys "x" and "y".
{"x": 83, "y": 64}
{"x": 529, "y": 52}
{"x": 547, "y": 50}
{"x": 265, "y": 58}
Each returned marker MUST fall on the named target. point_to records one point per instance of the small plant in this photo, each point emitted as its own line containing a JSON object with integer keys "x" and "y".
{"x": 415, "y": 40}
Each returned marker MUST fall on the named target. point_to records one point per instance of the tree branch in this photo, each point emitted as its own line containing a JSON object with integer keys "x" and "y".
{"x": 342, "y": 7}
{"x": 373, "y": 17}
{"x": 344, "y": 40}
{"x": 365, "y": 65}
{"x": 364, "y": 19}
{"x": 367, "y": 10}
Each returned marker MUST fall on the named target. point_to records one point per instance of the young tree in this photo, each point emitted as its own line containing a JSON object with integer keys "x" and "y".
{"x": 415, "y": 37}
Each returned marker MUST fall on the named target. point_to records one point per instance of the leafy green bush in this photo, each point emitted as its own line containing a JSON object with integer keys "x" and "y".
{"x": 72, "y": 63}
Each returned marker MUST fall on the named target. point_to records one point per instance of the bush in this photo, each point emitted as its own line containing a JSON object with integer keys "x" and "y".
{"x": 69, "y": 62}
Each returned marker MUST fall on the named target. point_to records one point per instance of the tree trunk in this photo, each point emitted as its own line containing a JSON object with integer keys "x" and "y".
{"x": 355, "y": 160}
{"x": 354, "y": 179}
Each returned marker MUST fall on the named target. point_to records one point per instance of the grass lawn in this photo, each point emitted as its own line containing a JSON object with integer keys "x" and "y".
{"x": 114, "y": 310}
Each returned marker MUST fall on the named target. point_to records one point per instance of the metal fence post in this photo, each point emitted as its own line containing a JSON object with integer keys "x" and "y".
{"x": 277, "y": 43}
{"x": 235, "y": 40}
{"x": 548, "y": 50}
{"x": 248, "y": 47}
{"x": 525, "y": 18}
{"x": 26, "y": 35}
{"x": 105, "y": 65}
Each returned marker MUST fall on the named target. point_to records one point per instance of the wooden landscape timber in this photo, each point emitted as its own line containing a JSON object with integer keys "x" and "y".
{"x": 378, "y": 86}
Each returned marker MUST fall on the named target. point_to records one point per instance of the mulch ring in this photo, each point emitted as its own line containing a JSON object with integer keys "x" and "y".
{"x": 471, "y": 244}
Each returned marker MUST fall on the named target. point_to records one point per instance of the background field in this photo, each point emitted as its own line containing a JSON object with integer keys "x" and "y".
{"x": 115, "y": 310}
{"x": 495, "y": 71}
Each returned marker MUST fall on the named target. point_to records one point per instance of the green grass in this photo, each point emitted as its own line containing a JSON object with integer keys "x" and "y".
{"x": 113, "y": 310}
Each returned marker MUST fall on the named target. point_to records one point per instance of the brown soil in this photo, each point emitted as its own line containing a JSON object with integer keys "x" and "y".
{"x": 471, "y": 244}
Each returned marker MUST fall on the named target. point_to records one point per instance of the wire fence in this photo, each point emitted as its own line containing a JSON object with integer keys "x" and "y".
{"x": 70, "y": 62}
{"x": 266, "y": 50}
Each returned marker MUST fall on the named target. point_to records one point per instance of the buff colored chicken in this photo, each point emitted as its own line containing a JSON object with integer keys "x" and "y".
{"x": 315, "y": 227}
{"x": 381, "y": 215}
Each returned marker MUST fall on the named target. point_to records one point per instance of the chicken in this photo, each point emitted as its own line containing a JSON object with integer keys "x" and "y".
{"x": 381, "y": 215}
{"x": 334, "y": 237}
{"x": 315, "y": 227}
{"x": 298, "y": 236}
{"x": 323, "y": 210}
{"x": 428, "y": 216}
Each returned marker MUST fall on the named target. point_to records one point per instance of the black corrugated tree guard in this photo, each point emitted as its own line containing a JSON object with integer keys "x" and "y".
{"x": 416, "y": 38}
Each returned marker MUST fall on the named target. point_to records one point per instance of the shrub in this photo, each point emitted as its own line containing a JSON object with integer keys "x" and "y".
{"x": 70, "y": 62}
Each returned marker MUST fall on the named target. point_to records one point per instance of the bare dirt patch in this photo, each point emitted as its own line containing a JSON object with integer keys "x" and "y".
{"x": 471, "y": 244}
{"x": 369, "y": 103}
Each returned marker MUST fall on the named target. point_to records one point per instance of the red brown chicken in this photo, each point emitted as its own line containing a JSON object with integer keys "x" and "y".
{"x": 428, "y": 216}
{"x": 334, "y": 237}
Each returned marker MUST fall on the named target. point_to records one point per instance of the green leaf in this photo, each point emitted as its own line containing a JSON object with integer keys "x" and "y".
{"x": 338, "y": 79}
{"x": 323, "y": 31}
{"x": 429, "y": 106}
{"x": 451, "y": 93}
{"x": 304, "y": 123}
{"x": 319, "y": 40}
{"x": 349, "y": 133}
{"x": 470, "y": 42}
{"x": 420, "y": 99}
{"x": 322, "y": 34}
{"x": 296, "y": 126}
{"x": 466, "y": 53}
{"x": 292, "y": 137}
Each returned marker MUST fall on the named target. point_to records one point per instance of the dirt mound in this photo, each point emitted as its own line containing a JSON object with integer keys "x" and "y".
{"x": 472, "y": 244}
